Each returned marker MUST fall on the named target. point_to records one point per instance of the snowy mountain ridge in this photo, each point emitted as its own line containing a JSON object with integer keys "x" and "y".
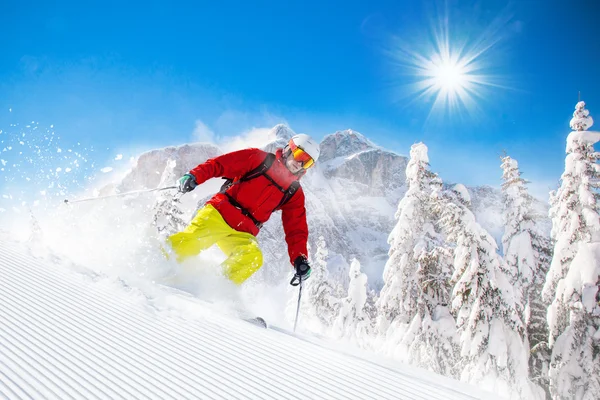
{"x": 352, "y": 196}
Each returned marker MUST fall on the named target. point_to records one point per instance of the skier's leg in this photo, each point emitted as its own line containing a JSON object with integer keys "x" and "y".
{"x": 243, "y": 256}
{"x": 207, "y": 227}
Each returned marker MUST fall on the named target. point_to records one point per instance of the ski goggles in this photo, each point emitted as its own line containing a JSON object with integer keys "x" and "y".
{"x": 301, "y": 156}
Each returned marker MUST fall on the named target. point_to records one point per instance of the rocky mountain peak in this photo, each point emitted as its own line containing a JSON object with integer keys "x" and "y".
{"x": 281, "y": 135}
{"x": 151, "y": 165}
{"x": 282, "y": 132}
{"x": 344, "y": 143}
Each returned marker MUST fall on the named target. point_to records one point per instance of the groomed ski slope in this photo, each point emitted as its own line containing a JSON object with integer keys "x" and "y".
{"x": 73, "y": 335}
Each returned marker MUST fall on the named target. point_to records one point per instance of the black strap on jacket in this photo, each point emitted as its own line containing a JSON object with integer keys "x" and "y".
{"x": 255, "y": 173}
{"x": 287, "y": 194}
{"x": 243, "y": 210}
{"x": 261, "y": 170}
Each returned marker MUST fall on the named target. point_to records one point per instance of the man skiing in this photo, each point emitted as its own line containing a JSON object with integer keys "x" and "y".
{"x": 258, "y": 183}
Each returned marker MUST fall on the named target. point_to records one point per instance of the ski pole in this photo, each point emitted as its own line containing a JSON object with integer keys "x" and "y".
{"x": 120, "y": 194}
{"x": 299, "y": 284}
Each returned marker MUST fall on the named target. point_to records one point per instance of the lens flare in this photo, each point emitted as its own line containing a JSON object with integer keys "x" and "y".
{"x": 451, "y": 74}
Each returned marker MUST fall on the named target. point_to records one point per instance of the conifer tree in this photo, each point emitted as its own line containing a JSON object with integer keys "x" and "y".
{"x": 537, "y": 323}
{"x": 397, "y": 301}
{"x": 575, "y": 197}
{"x": 572, "y": 284}
{"x": 527, "y": 255}
{"x": 168, "y": 216}
{"x": 353, "y": 322}
{"x": 432, "y": 339}
{"x": 423, "y": 331}
{"x": 575, "y": 365}
{"x": 491, "y": 332}
{"x": 319, "y": 305}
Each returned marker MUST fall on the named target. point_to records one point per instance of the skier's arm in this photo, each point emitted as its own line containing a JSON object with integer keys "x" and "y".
{"x": 293, "y": 216}
{"x": 228, "y": 165}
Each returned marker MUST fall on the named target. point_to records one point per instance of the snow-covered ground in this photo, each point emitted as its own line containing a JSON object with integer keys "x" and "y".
{"x": 69, "y": 333}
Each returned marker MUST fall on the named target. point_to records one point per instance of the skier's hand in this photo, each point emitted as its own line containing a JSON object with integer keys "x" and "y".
{"x": 302, "y": 268}
{"x": 187, "y": 183}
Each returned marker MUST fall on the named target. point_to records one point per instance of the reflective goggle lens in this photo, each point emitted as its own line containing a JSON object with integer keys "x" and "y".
{"x": 301, "y": 156}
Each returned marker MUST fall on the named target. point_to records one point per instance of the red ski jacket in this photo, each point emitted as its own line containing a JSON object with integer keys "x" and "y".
{"x": 259, "y": 196}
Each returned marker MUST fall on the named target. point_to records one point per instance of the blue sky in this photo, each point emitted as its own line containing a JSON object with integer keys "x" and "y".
{"x": 123, "y": 77}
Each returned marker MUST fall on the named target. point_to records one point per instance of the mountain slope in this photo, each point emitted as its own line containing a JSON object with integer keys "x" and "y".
{"x": 77, "y": 335}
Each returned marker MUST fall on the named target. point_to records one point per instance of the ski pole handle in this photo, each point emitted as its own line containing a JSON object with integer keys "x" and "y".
{"x": 120, "y": 194}
{"x": 295, "y": 280}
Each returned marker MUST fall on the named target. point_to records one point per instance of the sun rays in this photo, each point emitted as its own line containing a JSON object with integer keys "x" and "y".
{"x": 448, "y": 72}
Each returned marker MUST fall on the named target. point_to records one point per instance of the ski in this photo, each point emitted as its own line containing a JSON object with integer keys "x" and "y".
{"x": 258, "y": 321}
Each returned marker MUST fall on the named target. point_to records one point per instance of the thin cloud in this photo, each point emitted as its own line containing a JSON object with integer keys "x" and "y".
{"x": 255, "y": 137}
{"x": 202, "y": 133}
{"x": 231, "y": 131}
{"x": 232, "y": 122}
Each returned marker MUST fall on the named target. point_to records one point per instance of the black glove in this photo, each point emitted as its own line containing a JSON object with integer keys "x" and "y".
{"x": 302, "y": 268}
{"x": 187, "y": 183}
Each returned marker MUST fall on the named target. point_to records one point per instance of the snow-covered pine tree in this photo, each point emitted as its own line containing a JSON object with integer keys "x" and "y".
{"x": 518, "y": 226}
{"x": 353, "y": 323}
{"x": 537, "y": 324}
{"x": 423, "y": 331}
{"x": 575, "y": 366}
{"x": 397, "y": 303}
{"x": 321, "y": 306}
{"x": 338, "y": 269}
{"x": 573, "y": 211}
{"x": 493, "y": 352}
{"x": 371, "y": 304}
{"x": 168, "y": 216}
{"x": 572, "y": 284}
{"x": 432, "y": 339}
{"x": 527, "y": 256}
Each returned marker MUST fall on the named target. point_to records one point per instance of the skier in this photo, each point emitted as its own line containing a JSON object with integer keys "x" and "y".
{"x": 258, "y": 183}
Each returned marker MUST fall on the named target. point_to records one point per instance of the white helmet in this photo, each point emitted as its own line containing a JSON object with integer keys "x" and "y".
{"x": 308, "y": 144}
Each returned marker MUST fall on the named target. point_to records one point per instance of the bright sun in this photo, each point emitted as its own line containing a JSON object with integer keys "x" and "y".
{"x": 449, "y": 76}
{"x": 448, "y": 73}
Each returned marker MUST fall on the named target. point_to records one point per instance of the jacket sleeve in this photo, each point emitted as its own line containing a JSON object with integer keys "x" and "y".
{"x": 293, "y": 217}
{"x": 229, "y": 165}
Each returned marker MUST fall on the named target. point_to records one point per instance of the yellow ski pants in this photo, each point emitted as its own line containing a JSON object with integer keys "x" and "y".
{"x": 207, "y": 228}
